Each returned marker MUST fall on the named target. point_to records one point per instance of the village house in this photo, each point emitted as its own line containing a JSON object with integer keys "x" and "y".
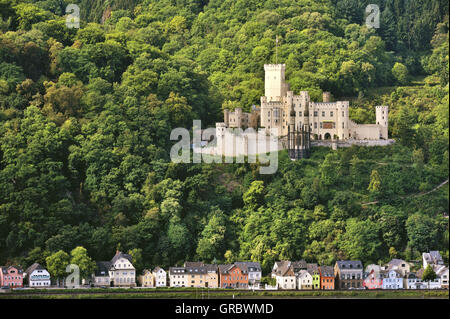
{"x": 231, "y": 275}
{"x": 326, "y": 277}
{"x": 38, "y": 276}
{"x": 101, "y": 275}
{"x": 178, "y": 277}
{"x": 11, "y": 276}
{"x": 160, "y": 277}
{"x": 304, "y": 280}
{"x": 432, "y": 258}
{"x": 392, "y": 279}
{"x": 373, "y": 280}
{"x": 348, "y": 274}
{"x": 283, "y": 272}
{"x": 253, "y": 269}
{"x": 413, "y": 282}
{"x": 313, "y": 269}
{"x": 147, "y": 279}
{"x": 118, "y": 272}
{"x": 442, "y": 272}
{"x": 428, "y": 284}
{"x": 400, "y": 265}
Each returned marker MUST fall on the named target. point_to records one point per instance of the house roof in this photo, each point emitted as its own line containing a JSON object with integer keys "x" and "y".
{"x": 349, "y": 264}
{"x": 157, "y": 269}
{"x": 312, "y": 268}
{"x": 326, "y": 271}
{"x": 224, "y": 269}
{"x": 433, "y": 257}
{"x": 303, "y": 273}
{"x": 177, "y": 270}
{"x": 248, "y": 266}
{"x": 211, "y": 267}
{"x": 193, "y": 264}
{"x": 34, "y": 267}
{"x": 298, "y": 265}
{"x": 386, "y": 272}
{"x": 284, "y": 269}
{"x": 396, "y": 262}
{"x": 119, "y": 255}
{"x": 102, "y": 268}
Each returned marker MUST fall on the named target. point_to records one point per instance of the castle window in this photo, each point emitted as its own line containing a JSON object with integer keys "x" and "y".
{"x": 323, "y": 113}
{"x": 331, "y": 113}
{"x": 321, "y": 125}
{"x": 315, "y": 125}
{"x": 342, "y": 124}
{"x": 315, "y": 113}
{"x": 299, "y": 113}
{"x": 343, "y": 113}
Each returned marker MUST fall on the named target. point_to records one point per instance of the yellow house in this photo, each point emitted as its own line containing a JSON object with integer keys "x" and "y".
{"x": 200, "y": 275}
{"x": 147, "y": 279}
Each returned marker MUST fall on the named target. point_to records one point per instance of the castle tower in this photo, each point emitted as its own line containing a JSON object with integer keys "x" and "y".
{"x": 382, "y": 119}
{"x": 326, "y": 97}
{"x": 275, "y": 85}
{"x": 226, "y": 117}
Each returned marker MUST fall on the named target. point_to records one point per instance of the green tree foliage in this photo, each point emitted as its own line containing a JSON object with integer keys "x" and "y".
{"x": 428, "y": 274}
{"x": 80, "y": 258}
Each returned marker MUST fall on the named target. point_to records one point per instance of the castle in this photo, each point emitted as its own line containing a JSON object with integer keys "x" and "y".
{"x": 326, "y": 120}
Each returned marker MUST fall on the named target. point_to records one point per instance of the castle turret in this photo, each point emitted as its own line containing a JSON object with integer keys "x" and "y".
{"x": 226, "y": 117}
{"x": 382, "y": 119}
{"x": 275, "y": 85}
{"x": 326, "y": 97}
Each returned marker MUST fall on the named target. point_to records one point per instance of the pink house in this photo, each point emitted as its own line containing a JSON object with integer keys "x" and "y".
{"x": 374, "y": 280}
{"x": 11, "y": 276}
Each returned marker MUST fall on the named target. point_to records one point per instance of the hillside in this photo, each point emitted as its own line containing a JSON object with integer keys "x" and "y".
{"x": 86, "y": 117}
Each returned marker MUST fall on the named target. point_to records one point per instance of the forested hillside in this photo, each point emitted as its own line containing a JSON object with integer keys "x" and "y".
{"x": 86, "y": 116}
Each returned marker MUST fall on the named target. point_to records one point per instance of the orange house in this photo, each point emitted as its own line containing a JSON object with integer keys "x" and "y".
{"x": 326, "y": 277}
{"x": 232, "y": 276}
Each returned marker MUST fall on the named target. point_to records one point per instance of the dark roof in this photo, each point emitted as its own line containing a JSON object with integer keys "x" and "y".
{"x": 34, "y": 267}
{"x": 312, "y": 268}
{"x": 248, "y": 265}
{"x": 300, "y": 264}
{"x": 396, "y": 262}
{"x": 211, "y": 267}
{"x": 193, "y": 264}
{"x": 177, "y": 270}
{"x": 349, "y": 264}
{"x": 102, "y": 268}
{"x": 326, "y": 271}
{"x": 119, "y": 255}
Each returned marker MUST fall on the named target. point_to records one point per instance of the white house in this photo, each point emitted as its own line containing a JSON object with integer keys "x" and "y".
{"x": 304, "y": 280}
{"x": 432, "y": 284}
{"x": 38, "y": 276}
{"x": 178, "y": 277}
{"x": 284, "y": 274}
{"x": 122, "y": 272}
{"x": 413, "y": 282}
{"x": 442, "y": 272}
{"x": 160, "y": 277}
{"x": 101, "y": 276}
{"x": 392, "y": 279}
